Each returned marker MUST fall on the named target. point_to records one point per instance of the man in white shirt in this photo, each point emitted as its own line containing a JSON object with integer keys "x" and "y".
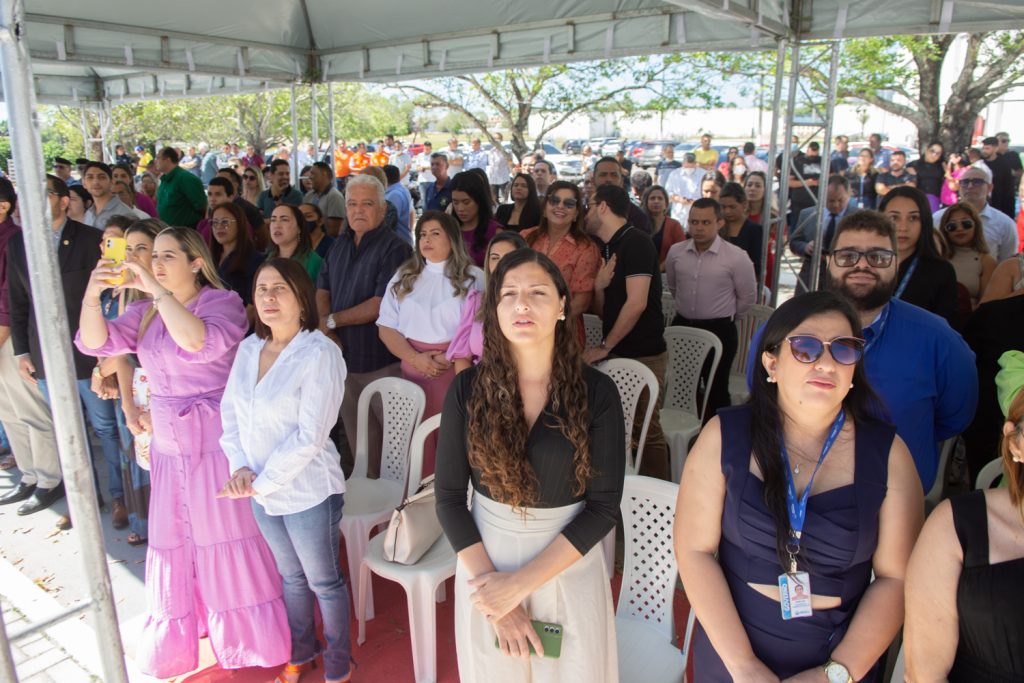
{"x": 683, "y": 187}
{"x": 750, "y": 157}
{"x": 1000, "y": 230}
{"x": 476, "y": 157}
{"x": 400, "y": 160}
{"x": 498, "y": 174}
{"x": 456, "y": 162}
{"x": 425, "y": 178}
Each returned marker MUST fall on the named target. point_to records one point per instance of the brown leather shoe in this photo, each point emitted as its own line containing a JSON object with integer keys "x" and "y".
{"x": 119, "y": 514}
{"x": 64, "y": 523}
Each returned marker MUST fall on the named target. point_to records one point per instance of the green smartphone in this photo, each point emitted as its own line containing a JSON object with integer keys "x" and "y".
{"x": 550, "y": 638}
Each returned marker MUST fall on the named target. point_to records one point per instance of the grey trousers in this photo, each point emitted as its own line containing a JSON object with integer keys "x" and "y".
{"x": 29, "y": 424}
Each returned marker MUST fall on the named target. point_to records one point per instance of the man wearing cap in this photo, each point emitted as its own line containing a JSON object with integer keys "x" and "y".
{"x": 121, "y": 156}
{"x": 144, "y": 157}
{"x": 98, "y": 179}
{"x": 80, "y": 164}
{"x": 62, "y": 169}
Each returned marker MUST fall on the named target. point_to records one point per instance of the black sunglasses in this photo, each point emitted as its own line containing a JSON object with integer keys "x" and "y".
{"x": 876, "y": 258}
{"x": 568, "y": 202}
{"x": 844, "y": 350}
{"x": 965, "y": 224}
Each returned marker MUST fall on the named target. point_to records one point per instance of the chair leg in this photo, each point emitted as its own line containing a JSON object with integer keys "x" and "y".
{"x": 608, "y": 550}
{"x": 356, "y": 540}
{"x": 364, "y": 584}
{"x": 422, "y": 630}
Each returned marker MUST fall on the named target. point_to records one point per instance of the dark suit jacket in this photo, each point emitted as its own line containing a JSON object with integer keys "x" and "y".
{"x": 76, "y": 257}
{"x": 804, "y": 233}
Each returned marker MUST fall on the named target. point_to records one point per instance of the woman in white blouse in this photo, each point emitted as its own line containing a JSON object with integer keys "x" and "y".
{"x": 422, "y": 306}
{"x": 281, "y": 400}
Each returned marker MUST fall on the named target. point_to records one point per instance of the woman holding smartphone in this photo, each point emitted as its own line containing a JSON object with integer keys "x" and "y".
{"x": 544, "y": 495}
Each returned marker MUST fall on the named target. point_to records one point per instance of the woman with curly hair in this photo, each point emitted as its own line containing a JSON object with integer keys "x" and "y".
{"x": 540, "y": 437}
{"x": 421, "y": 308}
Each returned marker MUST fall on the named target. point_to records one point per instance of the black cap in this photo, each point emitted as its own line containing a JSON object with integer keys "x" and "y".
{"x": 992, "y": 141}
{"x": 81, "y": 161}
{"x": 61, "y": 160}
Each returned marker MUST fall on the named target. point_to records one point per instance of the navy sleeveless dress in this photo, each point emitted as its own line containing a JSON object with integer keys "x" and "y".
{"x": 839, "y": 540}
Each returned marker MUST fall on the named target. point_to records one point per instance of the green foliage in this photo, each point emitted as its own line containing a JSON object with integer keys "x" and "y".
{"x": 51, "y": 149}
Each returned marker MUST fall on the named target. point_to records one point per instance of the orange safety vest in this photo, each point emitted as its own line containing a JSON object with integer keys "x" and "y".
{"x": 358, "y": 161}
{"x": 380, "y": 159}
{"x": 341, "y": 163}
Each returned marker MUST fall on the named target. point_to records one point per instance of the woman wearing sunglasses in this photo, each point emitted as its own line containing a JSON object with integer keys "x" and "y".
{"x": 963, "y": 244}
{"x": 789, "y": 504}
{"x": 252, "y": 184}
{"x": 562, "y": 238}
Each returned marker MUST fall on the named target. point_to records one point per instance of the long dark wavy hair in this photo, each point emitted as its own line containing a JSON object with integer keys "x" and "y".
{"x": 926, "y": 248}
{"x": 497, "y": 423}
{"x": 480, "y": 193}
{"x": 766, "y": 417}
{"x": 530, "y": 215}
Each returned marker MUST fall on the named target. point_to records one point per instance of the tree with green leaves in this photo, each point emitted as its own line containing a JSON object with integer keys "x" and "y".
{"x": 901, "y": 75}
{"x": 558, "y": 92}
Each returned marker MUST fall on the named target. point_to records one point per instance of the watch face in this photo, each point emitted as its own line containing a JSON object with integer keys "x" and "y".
{"x": 837, "y": 673}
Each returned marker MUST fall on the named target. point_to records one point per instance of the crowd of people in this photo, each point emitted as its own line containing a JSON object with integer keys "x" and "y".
{"x": 220, "y": 365}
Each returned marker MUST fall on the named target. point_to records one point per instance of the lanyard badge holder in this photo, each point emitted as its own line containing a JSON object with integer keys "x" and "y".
{"x": 794, "y": 585}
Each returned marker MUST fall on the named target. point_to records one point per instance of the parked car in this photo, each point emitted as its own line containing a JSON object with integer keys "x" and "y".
{"x": 650, "y": 152}
{"x": 414, "y": 148}
{"x": 610, "y": 147}
{"x": 573, "y": 146}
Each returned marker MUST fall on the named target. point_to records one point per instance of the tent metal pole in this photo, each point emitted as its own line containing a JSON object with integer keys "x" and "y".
{"x": 330, "y": 122}
{"x": 85, "y": 132}
{"x": 773, "y": 146}
{"x": 52, "y": 321}
{"x": 313, "y": 110}
{"x": 787, "y": 158}
{"x": 7, "y": 670}
{"x": 826, "y": 161}
{"x": 295, "y": 141}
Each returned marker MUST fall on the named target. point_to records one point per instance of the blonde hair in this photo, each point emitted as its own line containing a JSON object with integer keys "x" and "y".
{"x": 458, "y": 269}
{"x": 192, "y": 244}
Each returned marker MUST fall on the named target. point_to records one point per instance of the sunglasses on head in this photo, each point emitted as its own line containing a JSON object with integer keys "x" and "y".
{"x": 876, "y": 258}
{"x": 808, "y": 349}
{"x": 965, "y": 224}
{"x": 568, "y": 202}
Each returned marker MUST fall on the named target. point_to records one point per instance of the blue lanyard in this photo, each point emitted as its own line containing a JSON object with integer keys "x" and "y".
{"x": 906, "y": 278}
{"x": 797, "y": 506}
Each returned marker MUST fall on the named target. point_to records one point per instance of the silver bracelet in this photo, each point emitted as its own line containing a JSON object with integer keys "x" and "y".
{"x": 157, "y": 298}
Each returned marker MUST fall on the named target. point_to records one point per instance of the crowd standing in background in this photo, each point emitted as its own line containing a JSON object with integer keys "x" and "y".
{"x": 224, "y": 356}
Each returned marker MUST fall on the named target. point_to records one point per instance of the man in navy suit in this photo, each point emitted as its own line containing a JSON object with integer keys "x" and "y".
{"x": 801, "y": 243}
{"x": 78, "y": 249}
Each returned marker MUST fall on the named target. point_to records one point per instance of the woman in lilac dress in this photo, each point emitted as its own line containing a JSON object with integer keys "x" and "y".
{"x": 208, "y": 569}
{"x": 467, "y": 345}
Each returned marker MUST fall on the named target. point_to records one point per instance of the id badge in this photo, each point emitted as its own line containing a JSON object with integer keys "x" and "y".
{"x": 795, "y": 595}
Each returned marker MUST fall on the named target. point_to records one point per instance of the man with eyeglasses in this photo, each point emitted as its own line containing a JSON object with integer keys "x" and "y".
{"x": 1000, "y": 230}
{"x": 801, "y": 243}
{"x": 712, "y": 281}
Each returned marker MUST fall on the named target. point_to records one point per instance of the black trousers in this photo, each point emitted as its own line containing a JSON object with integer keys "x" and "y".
{"x": 725, "y": 330}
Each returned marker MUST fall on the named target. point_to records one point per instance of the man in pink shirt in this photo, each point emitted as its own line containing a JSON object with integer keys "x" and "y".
{"x": 712, "y": 282}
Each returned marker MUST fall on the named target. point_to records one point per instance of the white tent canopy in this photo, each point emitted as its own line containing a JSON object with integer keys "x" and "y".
{"x": 116, "y": 51}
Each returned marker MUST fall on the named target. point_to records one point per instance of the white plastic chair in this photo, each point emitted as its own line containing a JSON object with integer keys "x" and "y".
{"x": 630, "y": 377}
{"x": 423, "y": 582}
{"x": 644, "y": 621}
{"x": 746, "y": 326}
{"x": 688, "y": 348}
{"x": 369, "y": 502}
{"x": 668, "y": 306}
{"x": 989, "y": 473}
{"x": 595, "y": 331}
{"x": 938, "y": 491}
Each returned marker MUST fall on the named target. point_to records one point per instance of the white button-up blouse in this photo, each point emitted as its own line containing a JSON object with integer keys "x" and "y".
{"x": 279, "y": 427}
{"x": 430, "y": 313}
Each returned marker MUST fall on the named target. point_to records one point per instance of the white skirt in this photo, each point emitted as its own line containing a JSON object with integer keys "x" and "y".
{"x": 580, "y": 599}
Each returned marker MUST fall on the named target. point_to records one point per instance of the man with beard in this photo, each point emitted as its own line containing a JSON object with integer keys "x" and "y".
{"x": 921, "y": 369}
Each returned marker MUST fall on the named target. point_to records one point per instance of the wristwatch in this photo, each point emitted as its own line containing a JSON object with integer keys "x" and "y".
{"x": 836, "y": 672}
{"x": 330, "y": 322}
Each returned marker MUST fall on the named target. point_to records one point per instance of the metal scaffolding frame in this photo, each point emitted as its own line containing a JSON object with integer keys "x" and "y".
{"x": 52, "y": 320}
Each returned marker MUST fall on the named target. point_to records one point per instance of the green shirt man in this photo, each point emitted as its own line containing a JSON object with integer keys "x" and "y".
{"x": 180, "y": 199}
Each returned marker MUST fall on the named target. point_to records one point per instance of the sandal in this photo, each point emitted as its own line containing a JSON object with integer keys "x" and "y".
{"x": 135, "y": 539}
{"x": 7, "y": 462}
{"x": 352, "y": 666}
{"x": 294, "y": 670}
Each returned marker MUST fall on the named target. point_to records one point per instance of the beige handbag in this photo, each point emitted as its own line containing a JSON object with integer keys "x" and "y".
{"x": 414, "y": 527}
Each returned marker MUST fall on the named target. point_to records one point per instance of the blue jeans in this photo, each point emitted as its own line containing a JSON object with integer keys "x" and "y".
{"x": 100, "y": 413}
{"x": 305, "y": 546}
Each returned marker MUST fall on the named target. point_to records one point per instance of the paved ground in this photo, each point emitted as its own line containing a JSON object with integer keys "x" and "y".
{"x": 40, "y": 658}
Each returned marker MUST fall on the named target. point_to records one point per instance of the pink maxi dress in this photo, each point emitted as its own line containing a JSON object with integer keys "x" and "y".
{"x": 208, "y": 569}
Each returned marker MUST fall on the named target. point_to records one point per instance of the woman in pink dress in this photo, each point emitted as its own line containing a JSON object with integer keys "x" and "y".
{"x": 421, "y": 308}
{"x": 208, "y": 569}
{"x": 467, "y": 346}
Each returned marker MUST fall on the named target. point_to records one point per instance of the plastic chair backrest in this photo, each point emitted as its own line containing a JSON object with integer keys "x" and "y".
{"x": 403, "y": 403}
{"x": 649, "y": 569}
{"x": 688, "y": 348}
{"x": 938, "y": 492}
{"x": 668, "y": 306}
{"x": 746, "y": 326}
{"x": 631, "y": 377}
{"x": 419, "y": 438}
{"x": 989, "y": 474}
{"x": 594, "y": 328}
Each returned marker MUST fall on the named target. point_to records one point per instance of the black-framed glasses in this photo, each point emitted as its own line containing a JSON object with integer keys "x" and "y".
{"x": 975, "y": 182}
{"x": 568, "y": 202}
{"x": 965, "y": 224}
{"x": 808, "y": 349}
{"x": 876, "y": 258}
